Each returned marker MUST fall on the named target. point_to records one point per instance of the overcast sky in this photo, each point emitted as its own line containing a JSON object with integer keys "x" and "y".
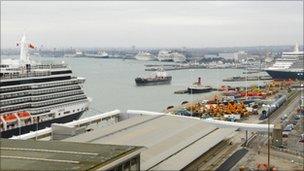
{"x": 152, "y": 24}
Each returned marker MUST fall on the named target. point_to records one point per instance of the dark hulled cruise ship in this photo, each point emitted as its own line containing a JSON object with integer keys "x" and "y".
{"x": 289, "y": 66}
{"x": 35, "y": 95}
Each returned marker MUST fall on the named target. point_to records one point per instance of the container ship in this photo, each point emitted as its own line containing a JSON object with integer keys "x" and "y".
{"x": 289, "y": 66}
{"x": 35, "y": 95}
{"x": 157, "y": 78}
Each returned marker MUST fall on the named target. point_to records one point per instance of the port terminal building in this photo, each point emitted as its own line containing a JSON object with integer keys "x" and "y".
{"x": 128, "y": 141}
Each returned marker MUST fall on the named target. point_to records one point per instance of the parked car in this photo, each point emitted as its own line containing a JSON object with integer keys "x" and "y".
{"x": 183, "y": 112}
{"x": 301, "y": 138}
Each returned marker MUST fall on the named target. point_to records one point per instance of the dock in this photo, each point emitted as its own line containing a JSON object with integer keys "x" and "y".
{"x": 249, "y": 78}
{"x": 176, "y": 67}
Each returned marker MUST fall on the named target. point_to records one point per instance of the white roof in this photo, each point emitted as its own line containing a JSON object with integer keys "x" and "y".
{"x": 166, "y": 138}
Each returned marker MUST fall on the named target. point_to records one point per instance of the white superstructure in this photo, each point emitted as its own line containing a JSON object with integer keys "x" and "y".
{"x": 37, "y": 93}
{"x": 289, "y": 60}
{"x": 178, "y": 57}
{"x": 145, "y": 56}
{"x": 165, "y": 56}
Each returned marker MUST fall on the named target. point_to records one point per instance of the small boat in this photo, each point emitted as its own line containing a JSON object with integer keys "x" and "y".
{"x": 157, "y": 78}
{"x": 199, "y": 88}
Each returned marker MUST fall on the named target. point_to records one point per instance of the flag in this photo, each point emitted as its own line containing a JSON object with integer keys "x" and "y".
{"x": 31, "y": 46}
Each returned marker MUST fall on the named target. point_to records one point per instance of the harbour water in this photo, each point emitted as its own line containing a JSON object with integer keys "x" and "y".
{"x": 110, "y": 83}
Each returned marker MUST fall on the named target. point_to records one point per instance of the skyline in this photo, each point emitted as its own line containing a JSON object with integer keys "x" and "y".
{"x": 152, "y": 24}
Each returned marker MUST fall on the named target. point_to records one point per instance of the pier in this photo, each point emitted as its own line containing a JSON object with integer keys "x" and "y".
{"x": 248, "y": 78}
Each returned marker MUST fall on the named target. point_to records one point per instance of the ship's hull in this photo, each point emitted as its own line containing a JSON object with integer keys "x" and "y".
{"x": 145, "y": 58}
{"x": 179, "y": 60}
{"x": 96, "y": 56}
{"x": 41, "y": 125}
{"x": 146, "y": 82}
{"x": 196, "y": 90}
{"x": 285, "y": 75}
{"x": 165, "y": 60}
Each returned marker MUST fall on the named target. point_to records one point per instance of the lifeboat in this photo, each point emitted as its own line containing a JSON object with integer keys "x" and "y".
{"x": 24, "y": 115}
{"x": 10, "y": 118}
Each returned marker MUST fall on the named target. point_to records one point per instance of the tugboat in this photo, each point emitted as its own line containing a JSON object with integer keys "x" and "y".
{"x": 157, "y": 78}
{"x": 197, "y": 87}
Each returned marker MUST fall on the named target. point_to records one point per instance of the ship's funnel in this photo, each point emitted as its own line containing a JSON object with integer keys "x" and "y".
{"x": 24, "y": 58}
{"x": 199, "y": 81}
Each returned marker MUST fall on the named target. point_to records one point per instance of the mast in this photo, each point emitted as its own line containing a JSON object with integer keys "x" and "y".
{"x": 296, "y": 48}
{"x": 24, "y": 57}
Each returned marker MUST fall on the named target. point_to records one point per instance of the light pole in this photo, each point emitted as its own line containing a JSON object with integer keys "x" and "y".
{"x": 268, "y": 154}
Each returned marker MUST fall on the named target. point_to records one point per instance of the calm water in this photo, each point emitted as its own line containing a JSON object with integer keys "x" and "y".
{"x": 110, "y": 83}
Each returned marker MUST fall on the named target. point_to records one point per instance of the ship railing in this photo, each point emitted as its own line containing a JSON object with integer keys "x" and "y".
{"x": 48, "y": 66}
{"x": 25, "y": 75}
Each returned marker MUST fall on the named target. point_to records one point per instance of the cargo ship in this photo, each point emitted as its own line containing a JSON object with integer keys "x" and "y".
{"x": 157, "y": 78}
{"x": 199, "y": 88}
{"x": 35, "y": 94}
{"x": 289, "y": 66}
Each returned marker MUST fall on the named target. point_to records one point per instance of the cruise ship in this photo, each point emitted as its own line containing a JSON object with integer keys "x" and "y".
{"x": 165, "y": 56}
{"x": 79, "y": 54}
{"x": 100, "y": 54}
{"x": 35, "y": 94}
{"x": 179, "y": 57}
{"x": 145, "y": 56}
{"x": 289, "y": 66}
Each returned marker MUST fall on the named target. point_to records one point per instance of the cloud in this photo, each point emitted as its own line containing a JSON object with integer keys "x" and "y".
{"x": 154, "y": 23}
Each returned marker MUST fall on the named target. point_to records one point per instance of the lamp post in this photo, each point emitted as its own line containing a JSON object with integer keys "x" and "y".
{"x": 268, "y": 154}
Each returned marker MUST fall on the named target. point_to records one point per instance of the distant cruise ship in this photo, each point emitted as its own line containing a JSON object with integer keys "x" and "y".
{"x": 145, "y": 56}
{"x": 35, "y": 95}
{"x": 179, "y": 57}
{"x": 79, "y": 54}
{"x": 165, "y": 56}
{"x": 100, "y": 54}
{"x": 289, "y": 66}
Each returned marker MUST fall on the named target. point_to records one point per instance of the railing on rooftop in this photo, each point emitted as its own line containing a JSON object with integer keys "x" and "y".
{"x": 25, "y": 74}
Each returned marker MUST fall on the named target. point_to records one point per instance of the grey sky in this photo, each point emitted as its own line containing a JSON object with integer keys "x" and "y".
{"x": 152, "y": 24}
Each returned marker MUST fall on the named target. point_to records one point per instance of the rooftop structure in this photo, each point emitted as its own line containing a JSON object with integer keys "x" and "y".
{"x": 171, "y": 142}
{"x": 57, "y": 155}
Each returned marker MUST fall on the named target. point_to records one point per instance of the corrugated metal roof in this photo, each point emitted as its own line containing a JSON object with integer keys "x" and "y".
{"x": 168, "y": 139}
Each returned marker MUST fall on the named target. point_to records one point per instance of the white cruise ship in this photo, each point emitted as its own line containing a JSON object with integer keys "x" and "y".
{"x": 289, "y": 66}
{"x": 35, "y": 95}
{"x": 100, "y": 54}
{"x": 165, "y": 56}
{"x": 145, "y": 56}
{"x": 179, "y": 57}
